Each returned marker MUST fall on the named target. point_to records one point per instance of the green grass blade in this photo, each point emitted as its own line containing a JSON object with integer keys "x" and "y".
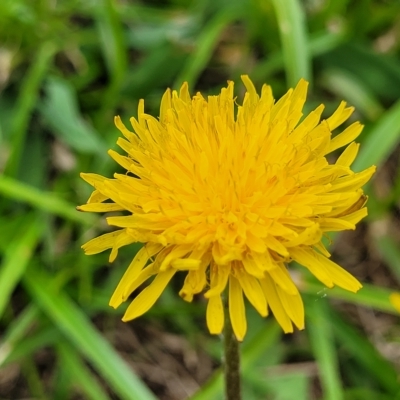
{"x": 61, "y": 112}
{"x": 115, "y": 53}
{"x": 26, "y": 348}
{"x": 381, "y": 140}
{"x": 16, "y": 331}
{"x": 291, "y": 21}
{"x": 267, "y": 337}
{"x": 80, "y": 331}
{"x": 389, "y": 250}
{"x": 206, "y": 43}
{"x": 48, "y": 202}
{"x": 79, "y": 373}
{"x": 349, "y": 87}
{"x": 26, "y": 102}
{"x": 315, "y": 46}
{"x": 112, "y": 39}
{"x": 369, "y": 296}
{"x": 365, "y": 354}
{"x": 17, "y": 257}
{"x": 321, "y": 340}
{"x": 280, "y": 385}
{"x": 33, "y": 379}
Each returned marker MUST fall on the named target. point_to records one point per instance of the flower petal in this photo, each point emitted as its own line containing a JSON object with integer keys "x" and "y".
{"x": 185, "y": 264}
{"x": 237, "y": 312}
{"x": 100, "y": 207}
{"x": 195, "y": 280}
{"x": 281, "y": 277}
{"x": 176, "y": 253}
{"x": 146, "y": 299}
{"x": 101, "y": 243}
{"x": 133, "y": 271}
{"x": 270, "y": 292}
{"x": 215, "y": 315}
{"x": 219, "y": 275}
{"x": 347, "y": 136}
{"x": 252, "y": 291}
{"x": 293, "y": 305}
{"x": 122, "y": 240}
{"x": 338, "y": 275}
{"x": 348, "y": 155}
{"x": 339, "y": 116}
{"x": 308, "y": 259}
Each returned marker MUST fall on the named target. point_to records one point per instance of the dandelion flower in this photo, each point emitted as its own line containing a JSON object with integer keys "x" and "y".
{"x": 230, "y": 194}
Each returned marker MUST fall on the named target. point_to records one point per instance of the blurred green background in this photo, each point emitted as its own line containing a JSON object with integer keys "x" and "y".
{"x": 66, "y": 68}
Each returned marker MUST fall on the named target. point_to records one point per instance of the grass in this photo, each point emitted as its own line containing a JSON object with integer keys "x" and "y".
{"x": 66, "y": 68}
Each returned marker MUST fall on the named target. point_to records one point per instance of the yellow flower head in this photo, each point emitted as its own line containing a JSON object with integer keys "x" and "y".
{"x": 230, "y": 195}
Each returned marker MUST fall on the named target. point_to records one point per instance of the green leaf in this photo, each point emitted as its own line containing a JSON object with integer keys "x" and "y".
{"x": 26, "y": 102}
{"x": 17, "y": 257}
{"x": 78, "y": 372}
{"x": 316, "y": 45}
{"x": 115, "y": 53}
{"x": 381, "y": 140}
{"x": 379, "y": 73}
{"x": 60, "y": 110}
{"x": 112, "y": 39}
{"x": 45, "y": 201}
{"x": 365, "y": 354}
{"x": 388, "y": 249}
{"x": 80, "y": 332}
{"x": 267, "y": 337}
{"x": 16, "y": 332}
{"x": 292, "y": 25}
{"x": 282, "y": 384}
{"x": 16, "y": 350}
{"x": 206, "y": 43}
{"x": 372, "y": 296}
{"x": 347, "y": 86}
{"x": 366, "y": 394}
{"x": 321, "y": 339}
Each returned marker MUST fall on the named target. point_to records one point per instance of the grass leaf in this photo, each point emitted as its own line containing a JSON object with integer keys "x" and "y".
{"x": 291, "y": 20}
{"x": 80, "y": 332}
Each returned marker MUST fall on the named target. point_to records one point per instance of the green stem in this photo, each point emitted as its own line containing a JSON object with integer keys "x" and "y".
{"x": 232, "y": 361}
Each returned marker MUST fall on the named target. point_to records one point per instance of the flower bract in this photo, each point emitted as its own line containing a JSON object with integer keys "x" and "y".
{"x": 230, "y": 194}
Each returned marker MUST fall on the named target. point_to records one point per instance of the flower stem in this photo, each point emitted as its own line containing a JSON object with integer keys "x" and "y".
{"x": 232, "y": 361}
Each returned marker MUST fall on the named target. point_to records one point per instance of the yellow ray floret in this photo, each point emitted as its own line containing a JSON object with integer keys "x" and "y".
{"x": 230, "y": 194}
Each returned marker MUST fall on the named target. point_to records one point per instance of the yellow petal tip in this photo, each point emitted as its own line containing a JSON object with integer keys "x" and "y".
{"x": 394, "y": 299}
